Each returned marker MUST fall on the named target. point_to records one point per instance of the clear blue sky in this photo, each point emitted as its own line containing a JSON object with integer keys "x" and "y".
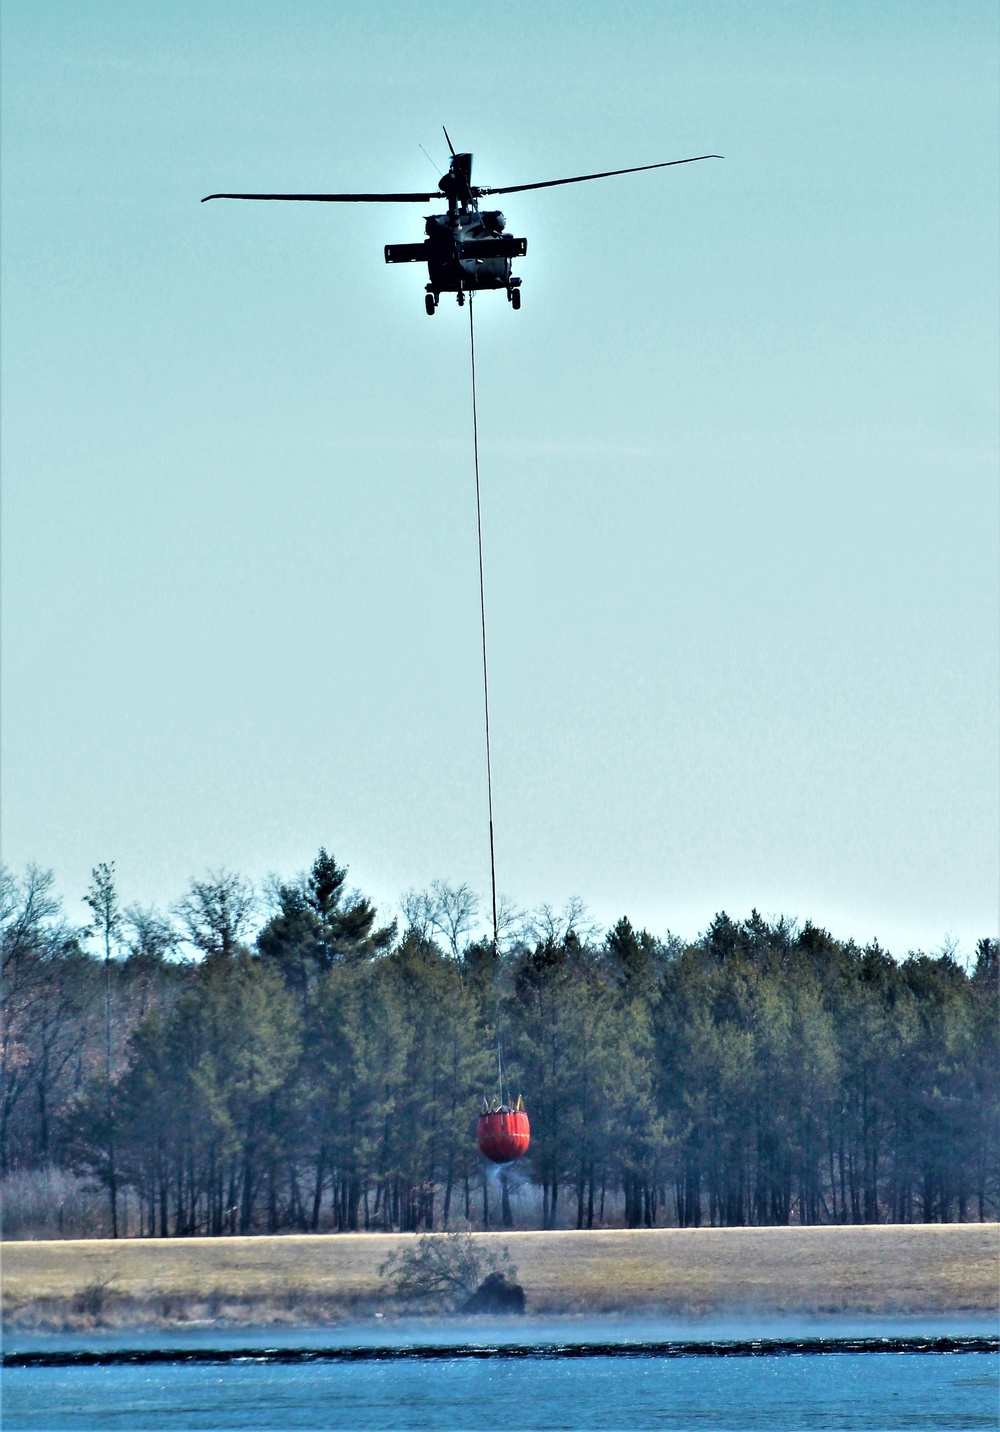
{"x": 739, "y": 456}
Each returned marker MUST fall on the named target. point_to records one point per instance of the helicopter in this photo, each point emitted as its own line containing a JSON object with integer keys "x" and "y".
{"x": 465, "y": 249}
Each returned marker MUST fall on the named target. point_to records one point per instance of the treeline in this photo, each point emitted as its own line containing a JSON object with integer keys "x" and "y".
{"x": 326, "y": 1071}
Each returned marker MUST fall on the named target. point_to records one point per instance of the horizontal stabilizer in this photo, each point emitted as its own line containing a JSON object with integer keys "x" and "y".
{"x": 506, "y": 247}
{"x": 406, "y": 253}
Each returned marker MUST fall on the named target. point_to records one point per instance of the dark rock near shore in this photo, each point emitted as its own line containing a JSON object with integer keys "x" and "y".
{"x": 495, "y": 1295}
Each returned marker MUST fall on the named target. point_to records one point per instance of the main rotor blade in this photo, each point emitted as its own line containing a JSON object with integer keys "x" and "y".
{"x": 338, "y": 198}
{"x": 605, "y": 174}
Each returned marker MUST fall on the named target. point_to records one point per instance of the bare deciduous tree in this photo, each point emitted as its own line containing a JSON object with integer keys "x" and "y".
{"x": 547, "y": 925}
{"x": 450, "y": 911}
{"x": 216, "y": 913}
{"x": 26, "y": 909}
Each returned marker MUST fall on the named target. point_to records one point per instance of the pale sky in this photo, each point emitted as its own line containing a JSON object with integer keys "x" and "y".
{"x": 739, "y": 457}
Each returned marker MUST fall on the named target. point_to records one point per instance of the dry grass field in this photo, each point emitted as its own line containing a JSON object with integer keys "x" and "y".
{"x": 869, "y": 1269}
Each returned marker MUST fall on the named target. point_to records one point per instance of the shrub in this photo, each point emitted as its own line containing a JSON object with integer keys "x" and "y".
{"x": 444, "y": 1267}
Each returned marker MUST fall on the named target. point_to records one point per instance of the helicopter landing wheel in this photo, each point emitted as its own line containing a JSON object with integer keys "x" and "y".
{"x": 460, "y": 295}
{"x": 515, "y": 299}
{"x": 430, "y": 303}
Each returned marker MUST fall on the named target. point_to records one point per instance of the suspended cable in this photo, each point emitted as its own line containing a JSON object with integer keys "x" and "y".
{"x": 482, "y": 613}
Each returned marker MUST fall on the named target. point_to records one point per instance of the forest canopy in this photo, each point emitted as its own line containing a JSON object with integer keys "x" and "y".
{"x": 247, "y": 1063}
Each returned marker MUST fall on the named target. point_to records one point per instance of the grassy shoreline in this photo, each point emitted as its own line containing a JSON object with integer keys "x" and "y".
{"x": 300, "y": 1279}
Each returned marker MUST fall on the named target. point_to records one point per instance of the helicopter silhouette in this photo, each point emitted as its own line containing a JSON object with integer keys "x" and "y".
{"x": 465, "y": 249}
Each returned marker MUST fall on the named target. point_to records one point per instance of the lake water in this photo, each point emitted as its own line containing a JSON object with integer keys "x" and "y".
{"x": 843, "y": 1390}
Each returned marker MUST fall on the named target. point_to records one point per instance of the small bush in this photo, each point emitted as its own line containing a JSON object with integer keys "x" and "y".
{"x": 496, "y": 1295}
{"x": 445, "y": 1268}
{"x": 90, "y": 1301}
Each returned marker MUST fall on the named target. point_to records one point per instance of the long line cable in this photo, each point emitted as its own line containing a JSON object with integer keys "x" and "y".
{"x": 482, "y": 614}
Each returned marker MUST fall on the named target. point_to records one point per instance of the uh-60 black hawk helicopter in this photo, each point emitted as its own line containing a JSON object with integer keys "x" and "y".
{"x": 465, "y": 249}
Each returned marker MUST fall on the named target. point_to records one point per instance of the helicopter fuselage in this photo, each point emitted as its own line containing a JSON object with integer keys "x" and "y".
{"x": 464, "y": 251}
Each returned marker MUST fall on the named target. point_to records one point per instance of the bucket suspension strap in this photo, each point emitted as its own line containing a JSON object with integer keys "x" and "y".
{"x": 500, "y": 1076}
